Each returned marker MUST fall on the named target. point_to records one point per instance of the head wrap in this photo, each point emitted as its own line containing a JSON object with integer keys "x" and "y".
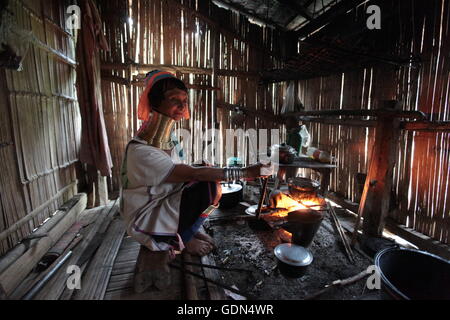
{"x": 144, "y": 107}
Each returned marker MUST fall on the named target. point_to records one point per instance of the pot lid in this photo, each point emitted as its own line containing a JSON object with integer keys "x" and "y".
{"x": 293, "y": 255}
{"x": 231, "y": 188}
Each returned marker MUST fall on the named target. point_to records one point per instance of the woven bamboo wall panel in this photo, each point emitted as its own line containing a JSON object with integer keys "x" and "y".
{"x": 41, "y": 119}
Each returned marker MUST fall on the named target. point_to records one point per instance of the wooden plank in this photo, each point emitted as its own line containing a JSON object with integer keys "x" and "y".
{"x": 96, "y": 277}
{"x": 122, "y": 268}
{"x": 420, "y": 240}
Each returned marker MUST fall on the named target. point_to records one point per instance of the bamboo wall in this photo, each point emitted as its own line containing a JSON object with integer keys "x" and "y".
{"x": 217, "y": 52}
{"x": 421, "y": 177}
{"x": 39, "y": 122}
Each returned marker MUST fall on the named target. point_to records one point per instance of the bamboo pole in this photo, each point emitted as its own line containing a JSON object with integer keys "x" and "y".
{"x": 56, "y": 287}
{"x": 18, "y": 270}
{"x": 34, "y": 213}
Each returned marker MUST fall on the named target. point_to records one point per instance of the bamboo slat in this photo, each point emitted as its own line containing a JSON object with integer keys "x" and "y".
{"x": 98, "y": 273}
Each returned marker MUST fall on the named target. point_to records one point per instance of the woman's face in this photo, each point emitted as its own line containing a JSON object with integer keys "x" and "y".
{"x": 175, "y": 105}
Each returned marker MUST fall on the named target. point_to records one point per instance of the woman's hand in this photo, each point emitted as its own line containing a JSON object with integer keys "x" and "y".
{"x": 254, "y": 171}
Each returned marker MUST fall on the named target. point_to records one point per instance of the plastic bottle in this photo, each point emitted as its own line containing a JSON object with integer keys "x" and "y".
{"x": 319, "y": 155}
{"x": 306, "y": 138}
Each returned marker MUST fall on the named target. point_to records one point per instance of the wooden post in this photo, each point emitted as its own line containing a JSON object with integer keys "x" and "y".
{"x": 377, "y": 189}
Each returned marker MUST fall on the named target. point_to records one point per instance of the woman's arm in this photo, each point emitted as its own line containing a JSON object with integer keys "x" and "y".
{"x": 185, "y": 173}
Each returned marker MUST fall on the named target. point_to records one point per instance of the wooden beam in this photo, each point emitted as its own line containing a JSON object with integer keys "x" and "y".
{"x": 145, "y": 68}
{"x": 141, "y": 83}
{"x": 376, "y": 196}
{"x": 264, "y": 115}
{"x": 422, "y": 241}
{"x": 238, "y": 73}
{"x": 325, "y": 18}
{"x": 297, "y": 8}
{"x": 387, "y": 113}
{"x": 341, "y": 122}
{"x": 426, "y": 126}
{"x": 241, "y": 10}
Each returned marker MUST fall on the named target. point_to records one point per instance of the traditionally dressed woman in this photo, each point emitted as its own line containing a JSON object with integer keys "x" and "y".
{"x": 164, "y": 203}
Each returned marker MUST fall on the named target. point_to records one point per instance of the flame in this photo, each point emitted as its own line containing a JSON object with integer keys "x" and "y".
{"x": 283, "y": 204}
{"x": 284, "y": 235}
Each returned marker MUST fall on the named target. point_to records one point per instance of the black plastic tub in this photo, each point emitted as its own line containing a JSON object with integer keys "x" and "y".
{"x": 413, "y": 275}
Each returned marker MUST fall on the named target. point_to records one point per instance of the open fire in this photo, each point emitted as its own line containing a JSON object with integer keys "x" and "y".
{"x": 293, "y": 214}
{"x": 282, "y": 204}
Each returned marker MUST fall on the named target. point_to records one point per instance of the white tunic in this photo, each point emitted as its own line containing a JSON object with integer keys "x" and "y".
{"x": 149, "y": 206}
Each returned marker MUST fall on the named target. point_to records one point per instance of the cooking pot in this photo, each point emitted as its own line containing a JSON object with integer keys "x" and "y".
{"x": 408, "y": 274}
{"x": 303, "y": 224}
{"x": 232, "y": 194}
{"x": 303, "y": 188}
{"x": 293, "y": 260}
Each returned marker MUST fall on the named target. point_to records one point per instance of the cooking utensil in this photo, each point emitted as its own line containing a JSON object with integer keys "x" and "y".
{"x": 232, "y": 194}
{"x": 303, "y": 188}
{"x": 303, "y": 224}
{"x": 293, "y": 260}
{"x": 263, "y": 197}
